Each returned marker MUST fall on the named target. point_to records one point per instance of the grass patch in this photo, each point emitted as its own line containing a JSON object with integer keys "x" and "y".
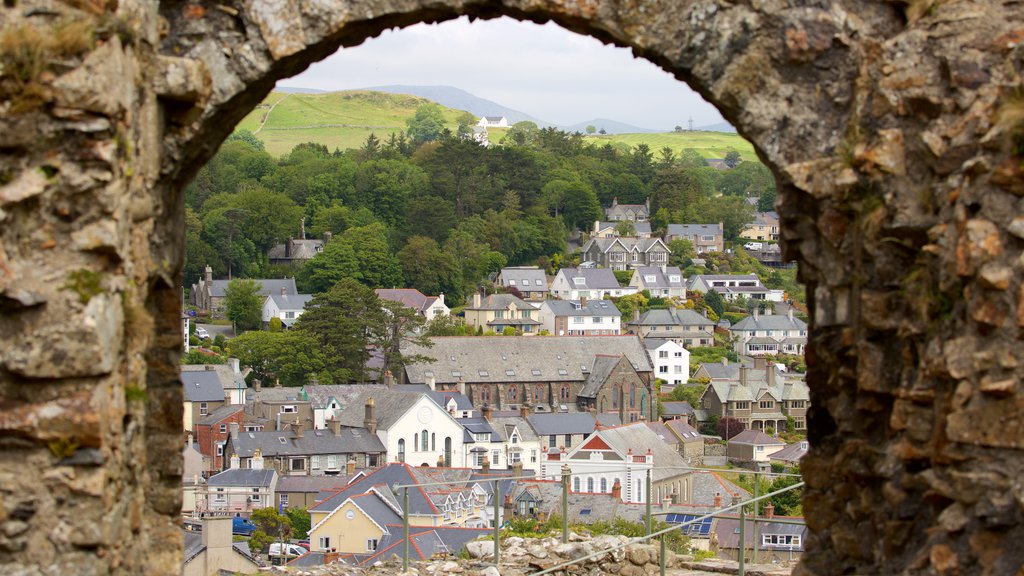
{"x": 85, "y": 283}
{"x": 707, "y": 144}
{"x": 26, "y": 52}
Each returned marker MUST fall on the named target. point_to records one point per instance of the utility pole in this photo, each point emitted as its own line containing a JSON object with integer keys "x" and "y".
{"x": 691, "y": 123}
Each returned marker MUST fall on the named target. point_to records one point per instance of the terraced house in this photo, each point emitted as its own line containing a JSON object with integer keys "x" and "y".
{"x": 760, "y": 398}
{"x": 772, "y": 334}
{"x": 626, "y": 253}
{"x": 500, "y": 311}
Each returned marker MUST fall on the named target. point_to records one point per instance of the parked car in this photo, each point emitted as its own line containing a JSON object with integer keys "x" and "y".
{"x": 304, "y": 544}
{"x": 753, "y": 245}
{"x": 242, "y": 526}
{"x": 202, "y": 334}
{"x": 288, "y": 549}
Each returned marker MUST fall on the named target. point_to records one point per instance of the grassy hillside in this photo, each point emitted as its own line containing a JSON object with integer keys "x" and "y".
{"x": 708, "y": 144}
{"x": 344, "y": 120}
{"x": 337, "y": 119}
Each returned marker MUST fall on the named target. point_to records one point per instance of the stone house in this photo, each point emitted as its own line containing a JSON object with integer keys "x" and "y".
{"x": 682, "y": 326}
{"x": 209, "y": 294}
{"x": 625, "y": 253}
{"x": 638, "y": 212}
{"x": 297, "y": 251}
{"x": 705, "y": 237}
{"x": 759, "y": 398}
{"x": 590, "y": 283}
{"x": 500, "y": 311}
{"x": 584, "y": 317}
{"x": 681, "y": 436}
{"x": 302, "y": 452}
{"x": 614, "y": 386}
{"x": 275, "y": 407}
{"x": 769, "y": 334}
{"x": 660, "y": 281}
{"x": 529, "y": 281}
{"x": 642, "y": 229}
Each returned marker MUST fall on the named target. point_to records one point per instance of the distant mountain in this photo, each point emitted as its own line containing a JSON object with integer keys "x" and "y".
{"x": 611, "y": 127}
{"x": 290, "y": 90}
{"x": 719, "y": 127}
{"x": 461, "y": 100}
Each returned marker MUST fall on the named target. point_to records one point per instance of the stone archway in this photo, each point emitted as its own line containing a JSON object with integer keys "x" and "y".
{"x": 899, "y": 195}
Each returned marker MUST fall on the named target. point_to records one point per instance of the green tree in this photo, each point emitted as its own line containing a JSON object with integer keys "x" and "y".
{"x": 625, "y": 228}
{"x": 244, "y": 304}
{"x": 426, "y": 125}
{"x": 336, "y": 261}
{"x": 682, "y": 251}
{"x": 641, "y": 163}
{"x": 300, "y": 520}
{"x": 714, "y": 301}
{"x": 341, "y": 321}
{"x": 788, "y": 503}
{"x": 591, "y": 129}
{"x": 689, "y": 393}
{"x": 466, "y": 122}
{"x": 446, "y": 326}
{"x": 248, "y": 137}
{"x": 429, "y": 269}
{"x": 732, "y": 159}
{"x": 289, "y": 356}
{"x": 271, "y": 526}
{"x": 399, "y": 328}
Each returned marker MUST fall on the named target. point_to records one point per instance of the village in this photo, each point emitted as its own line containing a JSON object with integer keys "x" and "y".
{"x": 641, "y": 388}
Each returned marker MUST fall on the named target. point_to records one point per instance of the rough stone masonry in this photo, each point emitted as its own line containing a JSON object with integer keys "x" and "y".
{"x": 895, "y": 128}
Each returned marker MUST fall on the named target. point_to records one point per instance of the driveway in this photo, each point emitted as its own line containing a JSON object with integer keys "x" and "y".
{"x": 214, "y": 329}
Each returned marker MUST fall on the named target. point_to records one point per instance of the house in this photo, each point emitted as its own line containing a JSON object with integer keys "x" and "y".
{"x": 660, "y": 281}
{"x": 212, "y": 433}
{"x": 411, "y": 425}
{"x": 276, "y": 406}
{"x": 752, "y": 446}
{"x": 625, "y": 253}
{"x": 286, "y": 307}
{"x": 641, "y": 229}
{"x": 202, "y": 393}
{"x": 302, "y": 452}
{"x": 305, "y": 491}
{"x": 213, "y": 551}
{"x": 764, "y": 227}
{"x": 771, "y": 334}
{"x": 529, "y": 281}
{"x": 635, "y": 212}
{"x": 364, "y": 517}
{"x": 240, "y": 489}
{"x": 733, "y": 286}
{"x": 776, "y": 541}
{"x": 705, "y": 237}
{"x": 676, "y": 411}
{"x": 296, "y": 251}
{"x": 209, "y": 294}
{"x": 546, "y": 373}
{"x": 583, "y": 317}
{"x": 791, "y": 455}
{"x": 591, "y": 283}
{"x": 429, "y": 307}
{"x": 671, "y": 362}
{"x": 480, "y": 136}
{"x": 500, "y": 311}
{"x": 500, "y": 443}
{"x": 425, "y": 543}
{"x": 493, "y": 122}
{"x": 769, "y": 255}
{"x": 566, "y": 430}
{"x": 722, "y": 371}
{"x": 231, "y": 375}
{"x": 682, "y": 437}
{"x": 760, "y": 398}
{"x": 683, "y": 326}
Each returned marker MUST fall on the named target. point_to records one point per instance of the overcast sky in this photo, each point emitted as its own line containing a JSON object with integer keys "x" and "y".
{"x": 545, "y": 71}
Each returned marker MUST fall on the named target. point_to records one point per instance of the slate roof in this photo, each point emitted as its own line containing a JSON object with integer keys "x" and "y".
{"x": 390, "y": 406}
{"x": 320, "y": 395}
{"x": 727, "y": 530}
{"x": 311, "y": 484}
{"x": 425, "y": 541}
{"x": 302, "y": 249}
{"x": 662, "y": 279}
{"x": 766, "y": 219}
{"x": 502, "y": 302}
{"x": 593, "y": 278}
{"x": 284, "y": 443}
{"x": 626, "y": 243}
{"x": 755, "y": 437}
{"x": 529, "y": 358}
{"x": 504, "y": 425}
{"x": 663, "y": 433}
{"x": 719, "y": 371}
{"x": 770, "y": 322}
{"x": 638, "y": 437}
{"x": 221, "y": 413}
{"x": 229, "y": 379}
{"x": 574, "y": 308}
{"x": 308, "y": 560}
{"x": 290, "y": 301}
{"x": 244, "y": 477}
{"x": 685, "y": 431}
{"x": 671, "y": 317}
{"x": 421, "y": 500}
{"x": 408, "y": 297}
{"x": 604, "y": 364}
{"x": 791, "y": 453}
{"x": 693, "y": 229}
{"x": 201, "y": 386}
{"x": 474, "y": 426}
{"x": 677, "y": 408}
{"x": 608, "y": 419}
{"x": 562, "y": 423}
{"x": 641, "y": 227}
{"x": 785, "y": 389}
{"x": 705, "y": 485}
{"x": 267, "y": 287}
{"x": 275, "y": 395}
{"x": 527, "y": 278}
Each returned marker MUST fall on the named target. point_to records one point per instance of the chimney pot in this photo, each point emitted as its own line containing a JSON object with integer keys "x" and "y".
{"x": 718, "y": 499}
{"x": 350, "y": 466}
{"x": 257, "y": 385}
{"x": 476, "y": 300}
{"x": 486, "y": 410}
{"x": 524, "y": 410}
{"x": 233, "y": 427}
{"x": 389, "y": 379}
{"x": 298, "y": 427}
{"x": 486, "y": 469}
{"x": 617, "y": 489}
{"x": 769, "y": 510}
{"x": 583, "y": 302}
{"x": 370, "y": 419}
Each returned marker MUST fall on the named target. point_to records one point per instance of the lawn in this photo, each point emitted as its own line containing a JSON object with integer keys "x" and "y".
{"x": 708, "y": 144}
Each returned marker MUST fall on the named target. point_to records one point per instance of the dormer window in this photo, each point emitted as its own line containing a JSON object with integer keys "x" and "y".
{"x": 649, "y": 278}
{"x": 579, "y": 280}
{"x": 511, "y": 282}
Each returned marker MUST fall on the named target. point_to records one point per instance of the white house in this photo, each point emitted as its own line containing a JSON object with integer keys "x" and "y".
{"x": 671, "y": 361}
{"x": 732, "y": 286}
{"x": 592, "y": 283}
{"x": 760, "y": 335}
{"x": 287, "y": 307}
{"x": 580, "y": 317}
{"x": 240, "y": 489}
{"x": 493, "y": 122}
{"x": 503, "y": 441}
{"x": 660, "y": 281}
{"x": 429, "y": 307}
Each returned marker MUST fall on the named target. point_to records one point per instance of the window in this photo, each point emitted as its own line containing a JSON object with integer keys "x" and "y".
{"x": 495, "y": 456}
{"x": 433, "y": 442}
{"x": 255, "y": 495}
{"x": 424, "y": 441}
{"x": 288, "y": 409}
{"x": 479, "y": 459}
{"x": 766, "y": 404}
{"x": 576, "y": 484}
{"x": 510, "y": 372}
{"x": 662, "y": 353}
{"x": 604, "y": 485}
{"x": 332, "y": 462}
{"x": 485, "y": 394}
{"x": 284, "y": 500}
{"x": 674, "y": 279}
{"x": 525, "y": 314}
{"x": 314, "y": 462}
{"x": 514, "y": 457}
{"x": 568, "y": 440}
{"x": 499, "y": 314}
{"x": 590, "y": 484}
{"x": 598, "y": 319}
{"x": 289, "y": 315}
{"x": 553, "y": 441}
{"x": 565, "y": 392}
{"x": 220, "y": 449}
{"x": 204, "y": 409}
{"x": 579, "y": 319}
{"x": 533, "y": 456}
{"x": 482, "y": 437}
{"x": 223, "y": 428}
{"x": 741, "y": 406}
{"x": 649, "y": 278}
{"x": 796, "y": 403}
{"x": 780, "y": 539}
{"x": 632, "y": 395}
{"x": 707, "y": 238}
{"x": 298, "y": 464}
{"x": 371, "y": 544}
{"x": 662, "y": 368}
{"x": 513, "y": 393}
{"x": 538, "y": 282}
{"x": 538, "y": 390}
{"x": 324, "y": 543}
{"x": 401, "y": 449}
{"x": 511, "y": 282}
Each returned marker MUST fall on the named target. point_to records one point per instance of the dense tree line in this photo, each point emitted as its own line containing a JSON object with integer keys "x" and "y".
{"x": 437, "y": 211}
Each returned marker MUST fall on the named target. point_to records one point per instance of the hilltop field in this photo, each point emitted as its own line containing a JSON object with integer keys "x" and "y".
{"x": 345, "y": 119}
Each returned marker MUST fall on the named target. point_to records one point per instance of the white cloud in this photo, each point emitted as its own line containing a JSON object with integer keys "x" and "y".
{"x": 542, "y": 70}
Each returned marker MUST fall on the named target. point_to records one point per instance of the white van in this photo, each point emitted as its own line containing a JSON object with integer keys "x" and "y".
{"x": 753, "y": 246}
{"x": 289, "y": 549}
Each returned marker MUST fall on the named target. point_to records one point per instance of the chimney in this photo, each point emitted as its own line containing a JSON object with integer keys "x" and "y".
{"x": 335, "y": 426}
{"x": 431, "y": 383}
{"x": 517, "y": 468}
{"x": 327, "y": 236}
{"x": 288, "y": 247}
{"x": 583, "y": 302}
{"x": 332, "y": 556}
{"x": 233, "y": 427}
{"x": 257, "y": 385}
{"x": 743, "y": 375}
{"x": 760, "y": 363}
{"x": 486, "y": 410}
{"x": 462, "y": 386}
{"x": 718, "y": 500}
{"x": 769, "y": 510}
{"x": 234, "y": 462}
{"x": 789, "y": 314}
{"x": 216, "y": 535}
{"x": 770, "y": 371}
{"x": 314, "y": 381}
{"x": 615, "y": 201}
{"x": 524, "y": 410}
{"x": 597, "y": 226}
{"x": 757, "y": 311}
{"x": 370, "y": 420}
{"x": 666, "y": 503}
{"x": 235, "y": 367}
{"x": 486, "y": 466}
{"x": 298, "y": 427}
{"x": 284, "y": 291}
{"x": 256, "y": 462}
{"x": 277, "y": 382}
{"x": 476, "y": 300}
{"x": 350, "y": 466}
{"x": 209, "y": 275}
{"x": 389, "y": 379}
{"x": 302, "y": 228}
{"x": 636, "y": 314}
{"x": 440, "y": 297}
{"x": 617, "y": 490}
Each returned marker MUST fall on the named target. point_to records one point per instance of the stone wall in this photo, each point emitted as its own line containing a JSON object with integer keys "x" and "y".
{"x": 891, "y": 126}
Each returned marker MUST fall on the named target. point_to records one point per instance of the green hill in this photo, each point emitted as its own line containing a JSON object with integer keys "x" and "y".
{"x": 344, "y": 120}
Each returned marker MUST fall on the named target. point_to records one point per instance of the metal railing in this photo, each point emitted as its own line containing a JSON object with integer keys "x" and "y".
{"x": 649, "y": 515}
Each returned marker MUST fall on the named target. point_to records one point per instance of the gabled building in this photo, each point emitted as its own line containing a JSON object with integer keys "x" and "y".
{"x": 590, "y": 283}
{"x": 764, "y": 227}
{"x": 429, "y": 307}
{"x": 493, "y": 122}
{"x": 297, "y": 251}
{"x": 682, "y": 326}
{"x": 625, "y": 253}
{"x": 303, "y": 452}
{"x": 212, "y": 550}
{"x": 584, "y": 317}
{"x": 614, "y": 386}
{"x": 753, "y": 446}
{"x": 733, "y": 286}
{"x": 660, "y": 281}
{"x": 637, "y": 212}
{"x": 791, "y": 455}
{"x": 671, "y": 362}
{"x": 777, "y": 541}
{"x": 567, "y": 429}
{"x": 759, "y": 398}
{"x": 202, "y": 394}
{"x": 286, "y": 307}
{"x": 275, "y": 407}
{"x": 642, "y": 229}
{"x": 685, "y": 438}
{"x": 500, "y": 311}
{"x": 705, "y": 237}
{"x": 240, "y": 489}
{"x": 209, "y": 294}
{"x": 771, "y": 334}
{"x": 231, "y": 375}
{"x": 529, "y": 281}
{"x": 212, "y": 432}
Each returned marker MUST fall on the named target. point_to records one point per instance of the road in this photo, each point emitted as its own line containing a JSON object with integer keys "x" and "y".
{"x": 214, "y": 329}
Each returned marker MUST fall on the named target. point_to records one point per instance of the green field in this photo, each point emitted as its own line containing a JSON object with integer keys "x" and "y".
{"x": 344, "y": 120}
